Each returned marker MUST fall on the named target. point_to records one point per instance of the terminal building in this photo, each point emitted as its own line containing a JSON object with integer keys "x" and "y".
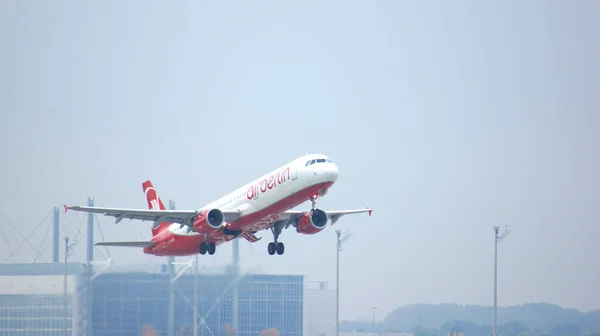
{"x": 127, "y": 300}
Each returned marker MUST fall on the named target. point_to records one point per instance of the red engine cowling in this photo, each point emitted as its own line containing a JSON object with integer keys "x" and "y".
{"x": 312, "y": 222}
{"x": 208, "y": 220}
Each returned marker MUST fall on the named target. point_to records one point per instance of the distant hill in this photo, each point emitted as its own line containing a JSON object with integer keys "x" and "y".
{"x": 532, "y": 318}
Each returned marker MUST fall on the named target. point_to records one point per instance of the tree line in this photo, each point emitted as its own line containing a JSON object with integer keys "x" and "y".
{"x": 535, "y": 319}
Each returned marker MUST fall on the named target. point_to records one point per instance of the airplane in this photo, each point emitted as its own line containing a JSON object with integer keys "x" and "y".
{"x": 265, "y": 203}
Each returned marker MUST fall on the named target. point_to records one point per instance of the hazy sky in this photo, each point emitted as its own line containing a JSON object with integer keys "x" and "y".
{"x": 446, "y": 117}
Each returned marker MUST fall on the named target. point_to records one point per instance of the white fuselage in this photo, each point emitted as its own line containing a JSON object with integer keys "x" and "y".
{"x": 297, "y": 175}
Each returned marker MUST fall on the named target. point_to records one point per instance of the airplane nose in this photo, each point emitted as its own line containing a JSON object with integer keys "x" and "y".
{"x": 333, "y": 172}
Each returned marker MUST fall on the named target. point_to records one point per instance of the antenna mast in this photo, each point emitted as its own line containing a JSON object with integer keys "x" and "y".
{"x": 340, "y": 241}
{"x": 497, "y": 238}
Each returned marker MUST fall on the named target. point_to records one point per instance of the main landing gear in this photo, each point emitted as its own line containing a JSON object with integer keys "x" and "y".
{"x": 207, "y": 247}
{"x": 276, "y": 246}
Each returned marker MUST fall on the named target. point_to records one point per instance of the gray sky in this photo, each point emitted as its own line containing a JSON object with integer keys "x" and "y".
{"x": 445, "y": 117}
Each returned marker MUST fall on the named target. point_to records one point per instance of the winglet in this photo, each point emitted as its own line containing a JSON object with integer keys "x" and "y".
{"x": 370, "y": 210}
{"x": 66, "y": 208}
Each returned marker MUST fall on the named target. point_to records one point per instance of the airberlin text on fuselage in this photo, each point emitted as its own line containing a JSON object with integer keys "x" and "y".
{"x": 268, "y": 183}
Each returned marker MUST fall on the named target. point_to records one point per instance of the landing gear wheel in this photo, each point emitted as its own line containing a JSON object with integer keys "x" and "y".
{"x": 271, "y": 248}
{"x": 212, "y": 248}
{"x": 280, "y": 248}
{"x": 203, "y": 248}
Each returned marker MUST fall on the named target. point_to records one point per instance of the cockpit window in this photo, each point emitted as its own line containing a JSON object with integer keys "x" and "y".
{"x": 311, "y": 162}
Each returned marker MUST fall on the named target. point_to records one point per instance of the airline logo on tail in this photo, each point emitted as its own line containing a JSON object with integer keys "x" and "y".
{"x": 151, "y": 195}
{"x": 154, "y": 202}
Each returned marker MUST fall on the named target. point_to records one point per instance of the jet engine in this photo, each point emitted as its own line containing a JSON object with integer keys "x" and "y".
{"x": 312, "y": 222}
{"x": 208, "y": 221}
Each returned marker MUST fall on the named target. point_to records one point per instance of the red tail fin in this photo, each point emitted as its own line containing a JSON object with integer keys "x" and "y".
{"x": 154, "y": 203}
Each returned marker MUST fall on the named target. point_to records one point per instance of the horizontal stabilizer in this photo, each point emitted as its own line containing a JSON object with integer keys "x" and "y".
{"x": 140, "y": 244}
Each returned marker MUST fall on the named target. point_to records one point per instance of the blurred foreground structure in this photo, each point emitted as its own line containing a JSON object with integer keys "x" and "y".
{"x": 99, "y": 297}
{"x": 129, "y": 298}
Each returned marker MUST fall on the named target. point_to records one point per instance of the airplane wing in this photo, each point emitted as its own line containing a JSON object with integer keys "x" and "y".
{"x": 181, "y": 216}
{"x": 289, "y": 217}
{"x": 171, "y": 216}
{"x": 140, "y": 244}
{"x": 334, "y": 216}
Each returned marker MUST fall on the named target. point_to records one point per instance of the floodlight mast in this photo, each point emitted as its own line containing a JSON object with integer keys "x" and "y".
{"x": 497, "y": 238}
{"x": 340, "y": 241}
{"x": 373, "y": 321}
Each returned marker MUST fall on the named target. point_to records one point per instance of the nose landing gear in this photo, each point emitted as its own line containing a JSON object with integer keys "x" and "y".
{"x": 313, "y": 200}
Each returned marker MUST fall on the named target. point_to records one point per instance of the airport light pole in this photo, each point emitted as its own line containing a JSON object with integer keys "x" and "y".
{"x": 65, "y": 293}
{"x": 196, "y": 295}
{"x": 340, "y": 241}
{"x": 373, "y": 321}
{"x": 171, "y": 303}
{"x": 497, "y": 238}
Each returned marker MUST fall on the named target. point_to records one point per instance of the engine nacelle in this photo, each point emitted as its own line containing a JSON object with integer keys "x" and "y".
{"x": 208, "y": 220}
{"x": 312, "y": 222}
